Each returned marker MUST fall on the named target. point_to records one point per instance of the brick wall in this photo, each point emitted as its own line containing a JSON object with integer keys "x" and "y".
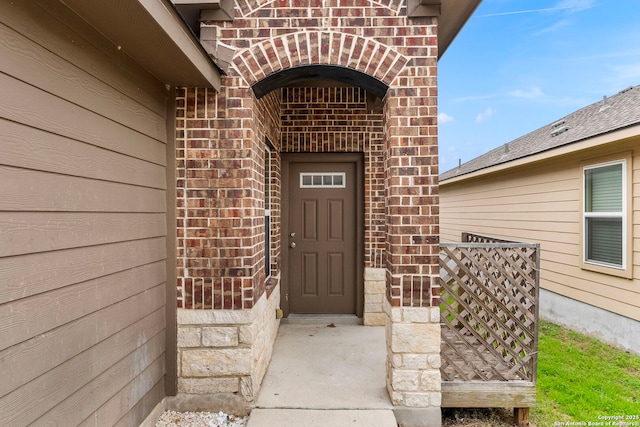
{"x": 412, "y": 190}
{"x": 326, "y": 119}
{"x": 221, "y": 148}
{"x": 220, "y": 152}
{"x": 221, "y": 144}
{"x": 337, "y": 120}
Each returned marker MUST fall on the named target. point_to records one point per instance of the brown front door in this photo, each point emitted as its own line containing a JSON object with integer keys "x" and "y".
{"x": 322, "y": 238}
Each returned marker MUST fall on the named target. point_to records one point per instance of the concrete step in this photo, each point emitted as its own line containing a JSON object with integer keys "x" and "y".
{"x": 322, "y": 418}
{"x": 321, "y": 319}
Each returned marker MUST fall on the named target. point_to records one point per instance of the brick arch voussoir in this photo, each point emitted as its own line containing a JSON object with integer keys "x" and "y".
{"x": 319, "y": 48}
{"x": 247, "y": 7}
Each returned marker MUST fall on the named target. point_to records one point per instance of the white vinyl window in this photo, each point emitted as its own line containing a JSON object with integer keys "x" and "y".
{"x": 268, "y": 174}
{"x": 604, "y": 213}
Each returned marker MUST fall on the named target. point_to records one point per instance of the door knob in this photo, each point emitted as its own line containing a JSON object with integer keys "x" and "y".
{"x": 292, "y": 245}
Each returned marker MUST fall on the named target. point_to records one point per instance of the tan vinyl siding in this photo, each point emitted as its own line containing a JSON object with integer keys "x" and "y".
{"x": 541, "y": 203}
{"x": 83, "y": 224}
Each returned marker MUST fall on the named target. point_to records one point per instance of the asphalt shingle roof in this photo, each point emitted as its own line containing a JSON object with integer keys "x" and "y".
{"x": 616, "y": 112}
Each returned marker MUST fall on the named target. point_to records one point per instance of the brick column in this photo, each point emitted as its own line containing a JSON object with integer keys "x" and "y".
{"x": 412, "y": 304}
{"x": 412, "y": 193}
{"x": 220, "y": 221}
{"x": 226, "y": 317}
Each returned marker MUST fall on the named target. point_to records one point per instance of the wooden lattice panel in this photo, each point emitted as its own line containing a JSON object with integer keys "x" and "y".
{"x": 489, "y": 311}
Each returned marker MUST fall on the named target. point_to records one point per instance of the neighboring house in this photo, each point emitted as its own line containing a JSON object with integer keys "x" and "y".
{"x": 137, "y": 155}
{"x": 574, "y": 187}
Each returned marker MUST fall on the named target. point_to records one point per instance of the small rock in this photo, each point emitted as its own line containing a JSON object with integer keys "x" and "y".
{"x": 200, "y": 419}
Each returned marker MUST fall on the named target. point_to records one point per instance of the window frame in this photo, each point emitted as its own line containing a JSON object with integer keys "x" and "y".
{"x": 625, "y": 269}
{"x": 268, "y": 196}
{"x": 322, "y": 177}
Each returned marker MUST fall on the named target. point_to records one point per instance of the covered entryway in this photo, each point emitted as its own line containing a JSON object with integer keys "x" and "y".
{"x": 350, "y": 81}
{"x": 322, "y": 234}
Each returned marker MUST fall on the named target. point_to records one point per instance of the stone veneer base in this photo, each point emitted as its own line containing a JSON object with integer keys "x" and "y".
{"x": 226, "y": 352}
{"x": 413, "y": 356}
{"x": 374, "y": 296}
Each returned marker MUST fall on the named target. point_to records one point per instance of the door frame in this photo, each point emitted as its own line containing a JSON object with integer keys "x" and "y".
{"x": 358, "y": 160}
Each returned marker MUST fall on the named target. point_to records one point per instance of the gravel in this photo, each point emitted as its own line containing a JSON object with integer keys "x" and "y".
{"x": 200, "y": 419}
{"x": 452, "y": 417}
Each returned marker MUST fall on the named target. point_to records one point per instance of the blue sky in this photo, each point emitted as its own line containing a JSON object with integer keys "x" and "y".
{"x": 518, "y": 65}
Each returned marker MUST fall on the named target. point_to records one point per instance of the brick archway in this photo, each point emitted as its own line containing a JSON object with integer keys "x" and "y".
{"x": 319, "y": 48}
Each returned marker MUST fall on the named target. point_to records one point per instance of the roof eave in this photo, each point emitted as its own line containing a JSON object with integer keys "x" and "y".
{"x": 572, "y": 147}
{"x": 453, "y": 16}
{"x": 154, "y": 35}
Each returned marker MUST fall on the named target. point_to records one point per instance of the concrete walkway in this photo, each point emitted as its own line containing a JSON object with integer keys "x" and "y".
{"x": 325, "y": 376}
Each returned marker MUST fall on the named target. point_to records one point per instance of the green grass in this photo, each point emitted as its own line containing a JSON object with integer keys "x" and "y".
{"x": 580, "y": 378}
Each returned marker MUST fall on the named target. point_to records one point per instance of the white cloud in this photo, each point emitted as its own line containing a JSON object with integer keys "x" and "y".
{"x": 627, "y": 71}
{"x": 533, "y": 93}
{"x": 570, "y": 6}
{"x": 485, "y": 115}
{"x": 575, "y": 5}
{"x": 518, "y": 12}
{"x": 444, "y": 118}
{"x": 474, "y": 98}
{"x": 558, "y": 25}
